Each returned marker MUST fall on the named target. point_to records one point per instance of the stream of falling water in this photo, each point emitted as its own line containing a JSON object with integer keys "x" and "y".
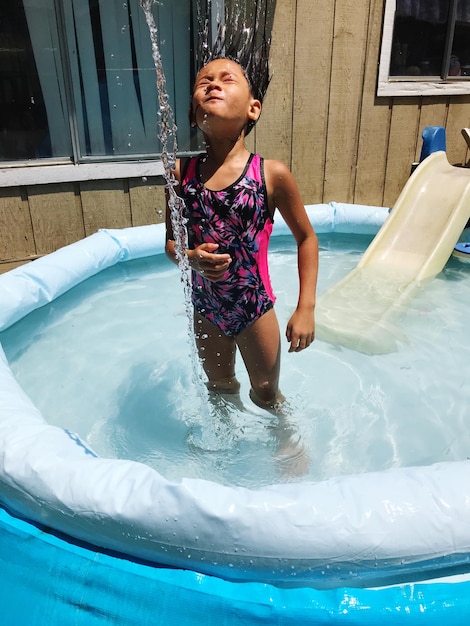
{"x": 167, "y": 135}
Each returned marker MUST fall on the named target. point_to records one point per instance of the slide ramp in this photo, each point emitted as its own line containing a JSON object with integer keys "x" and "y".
{"x": 413, "y": 245}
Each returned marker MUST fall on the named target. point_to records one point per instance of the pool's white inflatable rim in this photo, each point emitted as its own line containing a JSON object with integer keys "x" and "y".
{"x": 355, "y": 530}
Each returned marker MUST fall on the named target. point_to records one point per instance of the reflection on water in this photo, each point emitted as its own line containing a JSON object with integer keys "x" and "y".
{"x": 109, "y": 361}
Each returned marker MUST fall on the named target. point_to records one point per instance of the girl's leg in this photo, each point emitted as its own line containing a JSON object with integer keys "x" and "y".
{"x": 217, "y": 353}
{"x": 260, "y": 347}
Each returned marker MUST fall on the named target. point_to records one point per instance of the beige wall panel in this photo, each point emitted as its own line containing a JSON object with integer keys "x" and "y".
{"x": 56, "y": 216}
{"x": 313, "y": 43}
{"x": 458, "y": 117}
{"x": 349, "y": 46}
{"x": 6, "y": 267}
{"x": 147, "y": 200}
{"x": 402, "y": 146}
{"x": 374, "y": 131}
{"x": 274, "y": 130}
{"x": 16, "y": 232}
{"x": 105, "y": 205}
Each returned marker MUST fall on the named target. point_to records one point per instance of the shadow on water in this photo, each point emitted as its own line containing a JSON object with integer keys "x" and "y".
{"x": 146, "y": 425}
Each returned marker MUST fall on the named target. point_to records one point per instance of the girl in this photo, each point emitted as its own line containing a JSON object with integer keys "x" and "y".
{"x": 230, "y": 197}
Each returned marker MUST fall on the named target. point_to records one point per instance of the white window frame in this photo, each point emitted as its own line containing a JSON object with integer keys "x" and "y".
{"x": 407, "y": 86}
{"x": 41, "y": 174}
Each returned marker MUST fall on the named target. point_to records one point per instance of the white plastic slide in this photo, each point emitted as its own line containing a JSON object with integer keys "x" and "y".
{"x": 413, "y": 245}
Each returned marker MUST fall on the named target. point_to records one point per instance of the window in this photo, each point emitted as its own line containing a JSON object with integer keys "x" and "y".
{"x": 425, "y": 48}
{"x": 78, "y": 83}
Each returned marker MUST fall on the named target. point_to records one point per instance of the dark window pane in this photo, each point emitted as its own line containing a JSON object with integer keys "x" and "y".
{"x": 419, "y": 36}
{"x": 113, "y": 74}
{"x": 24, "y": 124}
{"x": 460, "y": 59}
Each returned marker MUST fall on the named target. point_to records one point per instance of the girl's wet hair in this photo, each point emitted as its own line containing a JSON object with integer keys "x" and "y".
{"x": 247, "y": 46}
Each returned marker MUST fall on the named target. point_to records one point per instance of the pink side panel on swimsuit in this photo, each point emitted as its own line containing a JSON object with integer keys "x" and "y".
{"x": 263, "y": 241}
{"x": 262, "y": 258}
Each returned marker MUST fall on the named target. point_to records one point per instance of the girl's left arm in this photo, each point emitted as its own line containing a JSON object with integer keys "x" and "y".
{"x": 284, "y": 195}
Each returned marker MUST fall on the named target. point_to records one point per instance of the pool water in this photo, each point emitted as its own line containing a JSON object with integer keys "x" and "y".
{"x": 110, "y": 361}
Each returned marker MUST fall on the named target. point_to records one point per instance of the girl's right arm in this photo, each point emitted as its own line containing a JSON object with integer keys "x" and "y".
{"x": 202, "y": 259}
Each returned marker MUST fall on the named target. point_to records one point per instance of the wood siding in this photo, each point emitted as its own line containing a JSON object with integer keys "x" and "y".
{"x": 321, "y": 116}
{"x": 37, "y": 220}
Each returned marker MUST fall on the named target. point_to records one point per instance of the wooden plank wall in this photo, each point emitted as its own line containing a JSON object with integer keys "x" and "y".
{"x": 37, "y": 220}
{"x": 321, "y": 116}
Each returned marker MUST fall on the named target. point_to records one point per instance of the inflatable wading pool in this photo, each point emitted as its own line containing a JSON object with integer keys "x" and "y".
{"x": 359, "y": 531}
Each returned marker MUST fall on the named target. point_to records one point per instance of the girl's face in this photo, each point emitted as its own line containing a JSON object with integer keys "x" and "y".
{"x": 222, "y": 100}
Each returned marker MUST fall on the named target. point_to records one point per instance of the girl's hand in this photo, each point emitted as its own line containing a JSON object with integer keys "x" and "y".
{"x": 204, "y": 261}
{"x": 301, "y": 329}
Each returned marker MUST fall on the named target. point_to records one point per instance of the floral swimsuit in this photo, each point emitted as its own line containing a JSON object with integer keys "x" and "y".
{"x": 239, "y": 220}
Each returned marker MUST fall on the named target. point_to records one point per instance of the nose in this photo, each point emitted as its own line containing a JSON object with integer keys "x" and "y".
{"x": 212, "y": 85}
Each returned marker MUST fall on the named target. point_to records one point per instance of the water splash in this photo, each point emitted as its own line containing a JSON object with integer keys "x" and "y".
{"x": 167, "y": 136}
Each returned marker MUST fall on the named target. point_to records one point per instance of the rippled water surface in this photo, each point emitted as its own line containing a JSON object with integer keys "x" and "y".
{"x": 109, "y": 360}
